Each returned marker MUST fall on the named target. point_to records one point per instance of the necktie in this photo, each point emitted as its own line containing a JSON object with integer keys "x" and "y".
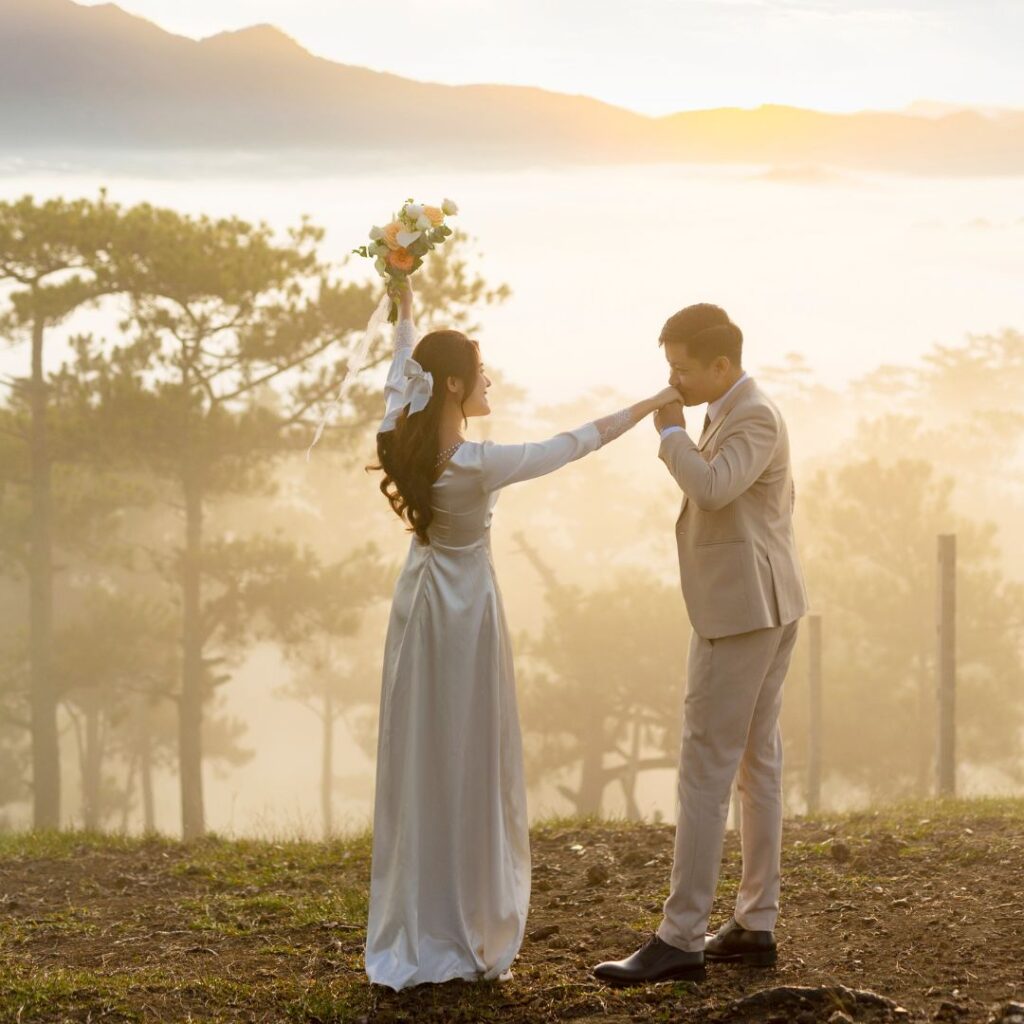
{"x": 707, "y": 422}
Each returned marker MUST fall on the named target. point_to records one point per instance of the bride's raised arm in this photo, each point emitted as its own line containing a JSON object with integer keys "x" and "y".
{"x": 504, "y": 464}
{"x": 405, "y": 342}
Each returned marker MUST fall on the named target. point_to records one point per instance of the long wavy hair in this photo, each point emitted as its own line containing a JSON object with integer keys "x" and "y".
{"x": 408, "y": 454}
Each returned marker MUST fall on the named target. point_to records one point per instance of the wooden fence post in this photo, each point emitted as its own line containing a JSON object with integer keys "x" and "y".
{"x": 814, "y": 726}
{"x": 946, "y": 759}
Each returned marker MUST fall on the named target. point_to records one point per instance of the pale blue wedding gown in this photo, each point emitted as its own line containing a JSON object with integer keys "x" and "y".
{"x": 450, "y": 878}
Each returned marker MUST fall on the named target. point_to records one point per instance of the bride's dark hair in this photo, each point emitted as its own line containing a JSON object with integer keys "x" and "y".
{"x": 408, "y": 454}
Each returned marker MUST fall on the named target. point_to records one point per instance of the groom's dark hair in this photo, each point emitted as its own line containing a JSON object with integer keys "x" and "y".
{"x": 706, "y": 331}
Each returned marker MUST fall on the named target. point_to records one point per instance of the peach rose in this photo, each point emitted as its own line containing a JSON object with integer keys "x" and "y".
{"x": 435, "y": 213}
{"x": 389, "y": 235}
{"x": 401, "y": 259}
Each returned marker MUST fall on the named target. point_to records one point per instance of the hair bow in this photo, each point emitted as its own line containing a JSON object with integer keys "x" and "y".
{"x": 419, "y": 387}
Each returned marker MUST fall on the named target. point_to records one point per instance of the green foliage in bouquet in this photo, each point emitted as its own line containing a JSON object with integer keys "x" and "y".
{"x": 398, "y": 248}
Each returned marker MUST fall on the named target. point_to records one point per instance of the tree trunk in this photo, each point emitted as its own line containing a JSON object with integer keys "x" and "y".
{"x": 43, "y": 693}
{"x": 92, "y": 765}
{"x": 146, "y": 768}
{"x": 629, "y": 776}
{"x": 592, "y": 775}
{"x": 924, "y": 732}
{"x": 190, "y": 707}
{"x": 327, "y": 764}
{"x": 129, "y": 785}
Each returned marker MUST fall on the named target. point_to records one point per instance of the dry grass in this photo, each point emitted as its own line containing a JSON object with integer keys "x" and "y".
{"x": 926, "y": 908}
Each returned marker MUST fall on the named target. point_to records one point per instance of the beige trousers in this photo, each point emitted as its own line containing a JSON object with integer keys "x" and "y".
{"x": 730, "y": 722}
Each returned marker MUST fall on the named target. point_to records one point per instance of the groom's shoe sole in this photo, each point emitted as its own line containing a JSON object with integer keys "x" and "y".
{"x": 760, "y": 958}
{"x": 696, "y": 973}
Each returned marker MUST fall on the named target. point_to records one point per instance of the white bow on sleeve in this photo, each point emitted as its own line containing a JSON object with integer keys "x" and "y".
{"x": 419, "y": 387}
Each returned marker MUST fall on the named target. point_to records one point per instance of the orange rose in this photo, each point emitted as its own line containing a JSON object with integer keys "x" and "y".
{"x": 435, "y": 214}
{"x": 389, "y": 235}
{"x": 401, "y": 259}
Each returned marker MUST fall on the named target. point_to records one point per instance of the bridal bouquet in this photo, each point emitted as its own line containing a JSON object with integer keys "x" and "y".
{"x": 398, "y": 248}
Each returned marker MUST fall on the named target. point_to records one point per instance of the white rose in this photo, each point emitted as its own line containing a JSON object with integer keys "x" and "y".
{"x": 450, "y": 207}
{"x": 423, "y": 222}
{"x": 413, "y": 211}
{"x": 406, "y": 238}
{"x": 375, "y": 233}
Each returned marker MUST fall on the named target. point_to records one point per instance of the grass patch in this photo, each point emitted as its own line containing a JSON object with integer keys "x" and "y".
{"x": 264, "y": 931}
{"x": 58, "y": 845}
{"x": 49, "y": 995}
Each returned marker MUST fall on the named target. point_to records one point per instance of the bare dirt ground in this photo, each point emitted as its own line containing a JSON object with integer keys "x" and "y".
{"x": 914, "y": 914}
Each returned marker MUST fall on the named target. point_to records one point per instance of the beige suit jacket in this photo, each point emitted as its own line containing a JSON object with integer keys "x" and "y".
{"x": 737, "y": 553}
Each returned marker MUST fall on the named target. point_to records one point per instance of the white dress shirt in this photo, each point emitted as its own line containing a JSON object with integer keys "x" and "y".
{"x": 713, "y": 407}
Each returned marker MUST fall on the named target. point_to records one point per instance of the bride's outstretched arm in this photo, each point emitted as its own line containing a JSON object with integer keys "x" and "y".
{"x": 405, "y": 341}
{"x": 504, "y": 464}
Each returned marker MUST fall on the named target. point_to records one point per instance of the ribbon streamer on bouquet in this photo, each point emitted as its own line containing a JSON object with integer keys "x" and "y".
{"x": 355, "y": 364}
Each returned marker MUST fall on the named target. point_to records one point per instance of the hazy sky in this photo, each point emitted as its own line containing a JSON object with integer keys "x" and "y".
{"x": 659, "y": 56}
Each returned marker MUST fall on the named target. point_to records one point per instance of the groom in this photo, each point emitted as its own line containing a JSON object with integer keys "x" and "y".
{"x": 744, "y": 593}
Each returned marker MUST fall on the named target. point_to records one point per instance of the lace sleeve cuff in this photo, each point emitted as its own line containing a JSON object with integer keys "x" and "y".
{"x": 611, "y": 427}
{"x": 405, "y": 334}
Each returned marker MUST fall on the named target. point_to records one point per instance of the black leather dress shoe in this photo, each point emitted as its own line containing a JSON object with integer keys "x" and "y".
{"x": 653, "y": 961}
{"x": 733, "y": 944}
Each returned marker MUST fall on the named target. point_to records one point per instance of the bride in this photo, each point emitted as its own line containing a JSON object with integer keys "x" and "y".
{"x": 450, "y": 876}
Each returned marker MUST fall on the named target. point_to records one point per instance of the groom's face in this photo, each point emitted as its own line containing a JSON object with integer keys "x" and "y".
{"x": 696, "y": 382}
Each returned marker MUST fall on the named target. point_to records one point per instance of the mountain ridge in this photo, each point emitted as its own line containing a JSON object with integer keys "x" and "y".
{"x": 77, "y": 77}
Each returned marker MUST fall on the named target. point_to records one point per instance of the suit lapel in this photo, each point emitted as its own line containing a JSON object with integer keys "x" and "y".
{"x": 716, "y": 424}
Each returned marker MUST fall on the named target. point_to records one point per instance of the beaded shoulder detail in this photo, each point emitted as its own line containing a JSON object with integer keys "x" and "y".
{"x": 444, "y": 456}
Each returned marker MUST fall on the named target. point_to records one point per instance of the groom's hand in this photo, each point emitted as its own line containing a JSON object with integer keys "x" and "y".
{"x": 670, "y": 415}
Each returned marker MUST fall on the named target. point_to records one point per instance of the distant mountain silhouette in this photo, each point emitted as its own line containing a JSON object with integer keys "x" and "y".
{"x": 98, "y": 78}
{"x": 938, "y": 108}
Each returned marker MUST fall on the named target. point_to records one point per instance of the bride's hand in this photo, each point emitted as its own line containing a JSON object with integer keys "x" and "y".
{"x": 667, "y": 396}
